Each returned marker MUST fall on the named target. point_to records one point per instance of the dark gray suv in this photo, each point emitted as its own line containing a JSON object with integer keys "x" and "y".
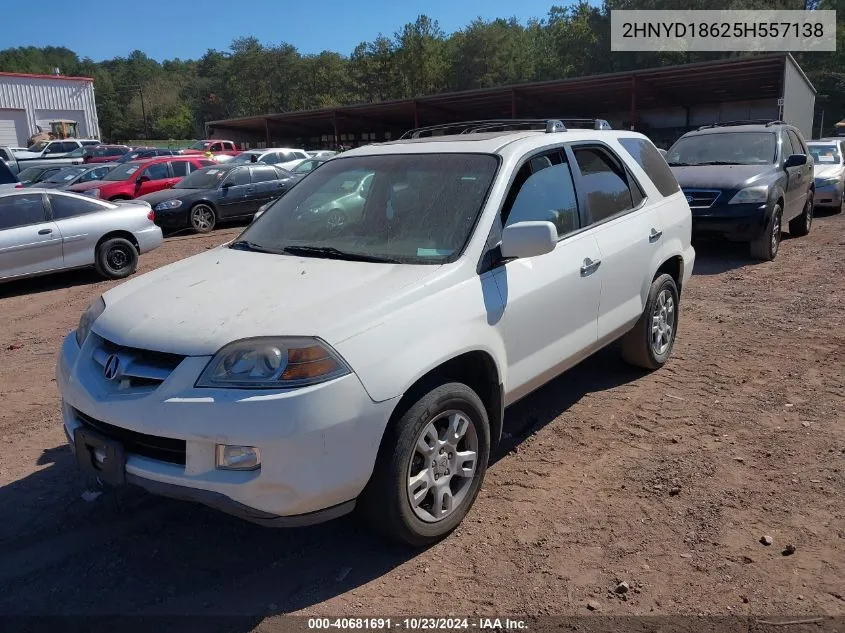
{"x": 743, "y": 180}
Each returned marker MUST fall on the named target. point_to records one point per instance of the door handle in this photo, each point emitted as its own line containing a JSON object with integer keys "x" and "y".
{"x": 589, "y": 266}
{"x": 45, "y": 231}
{"x": 654, "y": 235}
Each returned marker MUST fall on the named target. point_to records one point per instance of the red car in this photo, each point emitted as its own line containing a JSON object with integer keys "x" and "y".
{"x": 212, "y": 146}
{"x": 103, "y": 153}
{"x": 140, "y": 177}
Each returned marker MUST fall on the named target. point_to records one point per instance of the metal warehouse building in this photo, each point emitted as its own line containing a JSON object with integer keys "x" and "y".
{"x": 661, "y": 102}
{"x": 27, "y": 101}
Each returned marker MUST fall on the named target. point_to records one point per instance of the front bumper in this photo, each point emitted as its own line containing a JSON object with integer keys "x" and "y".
{"x": 172, "y": 218}
{"x": 829, "y": 196}
{"x": 735, "y": 222}
{"x": 318, "y": 444}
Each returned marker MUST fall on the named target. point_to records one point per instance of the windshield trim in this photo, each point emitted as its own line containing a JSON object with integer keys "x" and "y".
{"x": 448, "y": 259}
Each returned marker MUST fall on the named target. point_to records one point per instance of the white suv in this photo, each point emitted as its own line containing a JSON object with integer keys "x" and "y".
{"x": 359, "y": 342}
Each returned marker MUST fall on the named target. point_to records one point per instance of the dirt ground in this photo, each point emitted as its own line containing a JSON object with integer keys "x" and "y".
{"x": 666, "y": 481}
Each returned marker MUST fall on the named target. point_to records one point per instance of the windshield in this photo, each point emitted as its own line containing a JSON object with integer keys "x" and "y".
{"x": 246, "y": 157}
{"x": 37, "y": 147}
{"x": 409, "y": 208}
{"x": 124, "y": 172}
{"x": 206, "y": 178}
{"x": 825, "y": 154}
{"x": 724, "y": 148}
{"x": 200, "y": 145}
{"x": 29, "y": 173}
{"x": 67, "y": 174}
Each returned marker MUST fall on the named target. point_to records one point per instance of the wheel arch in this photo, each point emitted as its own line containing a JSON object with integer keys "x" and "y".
{"x": 127, "y": 235}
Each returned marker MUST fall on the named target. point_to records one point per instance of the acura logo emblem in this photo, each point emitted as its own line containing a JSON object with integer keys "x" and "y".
{"x": 112, "y": 369}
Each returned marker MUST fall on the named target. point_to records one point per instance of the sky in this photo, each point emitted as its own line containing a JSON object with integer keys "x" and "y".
{"x": 167, "y": 29}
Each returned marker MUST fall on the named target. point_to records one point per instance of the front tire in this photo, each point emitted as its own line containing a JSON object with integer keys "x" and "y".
{"x": 649, "y": 343}
{"x": 430, "y": 467}
{"x": 765, "y": 247}
{"x": 116, "y": 258}
{"x": 203, "y": 218}
{"x": 800, "y": 226}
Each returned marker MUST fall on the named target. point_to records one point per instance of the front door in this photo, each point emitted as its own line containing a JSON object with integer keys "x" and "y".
{"x": 152, "y": 178}
{"x": 232, "y": 202}
{"x": 29, "y": 242}
{"x": 549, "y": 321}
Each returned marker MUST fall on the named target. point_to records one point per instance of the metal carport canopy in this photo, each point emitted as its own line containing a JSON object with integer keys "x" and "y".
{"x": 744, "y": 78}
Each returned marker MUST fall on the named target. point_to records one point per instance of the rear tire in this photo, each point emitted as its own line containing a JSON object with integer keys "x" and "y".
{"x": 443, "y": 480}
{"x": 765, "y": 247}
{"x": 801, "y": 225}
{"x": 116, "y": 258}
{"x": 649, "y": 343}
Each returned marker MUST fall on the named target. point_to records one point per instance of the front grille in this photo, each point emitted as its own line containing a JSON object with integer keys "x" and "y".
{"x": 164, "y": 449}
{"x": 139, "y": 368}
{"x": 701, "y": 198}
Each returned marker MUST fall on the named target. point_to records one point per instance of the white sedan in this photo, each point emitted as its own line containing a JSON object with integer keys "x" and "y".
{"x": 829, "y": 173}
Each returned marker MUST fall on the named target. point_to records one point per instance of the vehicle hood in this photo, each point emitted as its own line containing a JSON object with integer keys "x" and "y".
{"x": 721, "y": 176}
{"x": 196, "y": 305}
{"x": 174, "y": 194}
{"x": 826, "y": 171}
{"x": 91, "y": 184}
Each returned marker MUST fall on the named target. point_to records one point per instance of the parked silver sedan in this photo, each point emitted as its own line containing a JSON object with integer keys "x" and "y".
{"x": 829, "y": 173}
{"x": 43, "y": 231}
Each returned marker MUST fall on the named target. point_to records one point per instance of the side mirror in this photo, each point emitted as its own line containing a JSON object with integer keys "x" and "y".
{"x": 528, "y": 239}
{"x": 260, "y": 211}
{"x": 796, "y": 160}
{"x": 142, "y": 179}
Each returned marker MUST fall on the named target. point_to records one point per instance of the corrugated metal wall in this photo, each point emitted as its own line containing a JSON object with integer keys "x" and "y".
{"x": 799, "y": 99}
{"x": 36, "y": 94}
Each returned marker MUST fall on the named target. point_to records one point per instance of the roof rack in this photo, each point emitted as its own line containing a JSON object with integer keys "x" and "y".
{"x": 498, "y": 125}
{"x": 766, "y": 122}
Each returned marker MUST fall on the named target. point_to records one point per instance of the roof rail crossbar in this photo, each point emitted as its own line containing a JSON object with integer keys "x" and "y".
{"x": 491, "y": 125}
{"x": 766, "y": 122}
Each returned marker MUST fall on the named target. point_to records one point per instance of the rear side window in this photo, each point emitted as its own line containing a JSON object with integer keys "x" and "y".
{"x": 652, "y": 163}
{"x": 22, "y": 210}
{"x": 264, "y": 174}
{"x": 180, "y": 168}
{"x": 64, "y": 207}
{"x": 605, "y": 183}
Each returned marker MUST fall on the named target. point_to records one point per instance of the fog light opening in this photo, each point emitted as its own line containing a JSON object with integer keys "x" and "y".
{"x": 231, "y": 457}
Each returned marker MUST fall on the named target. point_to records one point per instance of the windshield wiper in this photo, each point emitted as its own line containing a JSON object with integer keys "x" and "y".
{"x": 719, "y": 162}
{"x": 334, "y": 253}
{"x": 246, "y": 245}
{"x": 680, "y": 164}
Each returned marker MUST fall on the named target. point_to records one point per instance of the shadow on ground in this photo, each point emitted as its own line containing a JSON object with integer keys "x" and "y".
{"x": 127, "y": 552}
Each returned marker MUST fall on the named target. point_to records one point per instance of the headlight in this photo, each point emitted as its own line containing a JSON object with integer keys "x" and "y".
{"x": 826, "y": 182}
{"x": 273, "y": 363}
{"x": 749, "y": 195}
{"x": 168, "y": 204}
{"x": 94, "y": 193}
{"x": 86, "y": 321}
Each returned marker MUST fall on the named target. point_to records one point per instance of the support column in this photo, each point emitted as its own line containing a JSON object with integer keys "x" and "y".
{"x": 267, "y": 132}
{"x": 334, "y": 127}
{"x": 513, "y": 104}
{"x": 416, "y": 115}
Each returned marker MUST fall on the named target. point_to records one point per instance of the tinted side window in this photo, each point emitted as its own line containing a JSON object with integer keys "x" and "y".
{"x": 263, "y": 174}
{"x": 157, "y": 171}
{"x": 605, "y": 183}
{"x": 67, "y": 207}
{"x": 21, "y": 210}
{"x": 271, "y": 159}
{"x": 180, "y": 168}
{"x": 788, "y": 150}
{"x": 652, "y": 163}
{"x": 238, "y": 176}
{"x": 68, "y": 147}
{"x": 797, "y": 143}
{"x": 543, "y": 191}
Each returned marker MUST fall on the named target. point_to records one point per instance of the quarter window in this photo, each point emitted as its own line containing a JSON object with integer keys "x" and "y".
{"x": 605, "y": 183}
{"x": 67, "y": 207}
{"x": 21, "y": 210}
{"x": 543, "y": 191}
{"x": 653, "y": 164}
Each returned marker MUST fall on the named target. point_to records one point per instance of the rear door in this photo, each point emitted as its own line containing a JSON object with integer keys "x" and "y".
{"x": 234, "y": 191}
{"x": 29, "y": 242}
{"x": 79, "y": 227}
{"x": 626, "y": 228}
{"x": 266, "y": 186}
